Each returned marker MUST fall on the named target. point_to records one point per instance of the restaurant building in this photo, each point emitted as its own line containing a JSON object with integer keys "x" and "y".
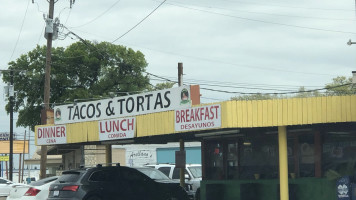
{"x": 263, "y": 149}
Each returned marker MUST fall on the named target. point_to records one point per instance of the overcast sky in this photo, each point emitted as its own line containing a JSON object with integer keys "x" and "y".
{"x": 271, "y": 44}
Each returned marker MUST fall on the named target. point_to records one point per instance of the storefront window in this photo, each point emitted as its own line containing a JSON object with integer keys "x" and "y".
{"x": 311, "y": 152}
{"x": 251, "y": 157}
{"x": 339, "y": 153}
{"x": 259, "y": 156}
{"x": 214, "y": 155}
{"x": 232, "y": 160}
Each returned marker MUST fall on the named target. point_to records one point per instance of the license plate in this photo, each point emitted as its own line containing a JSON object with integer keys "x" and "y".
{"x": 55, "y": 193}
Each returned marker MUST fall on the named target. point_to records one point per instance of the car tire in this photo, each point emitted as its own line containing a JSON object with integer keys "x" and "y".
{"x": 197, "y": 194}
{"x": 179, "y": 196}
{"x": 94, "y": 198}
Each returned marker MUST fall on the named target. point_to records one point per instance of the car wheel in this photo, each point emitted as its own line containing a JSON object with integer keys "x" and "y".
{"x": 94, "y": 198}
{"x": 179, "y": 196}
{"x": 197, "y": 194}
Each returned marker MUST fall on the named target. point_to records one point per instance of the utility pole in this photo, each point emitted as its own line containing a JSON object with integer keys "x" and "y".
{"x": 11, "y": 99}
{"x": 47, "y": 87}
{"x": 181, "y": 142}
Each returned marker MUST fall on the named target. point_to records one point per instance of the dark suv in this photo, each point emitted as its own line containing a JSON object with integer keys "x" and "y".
{"x": 113, "y": 182}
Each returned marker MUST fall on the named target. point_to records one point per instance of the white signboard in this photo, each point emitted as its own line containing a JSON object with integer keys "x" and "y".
{"x": 197, "y": 118}
{"x": 140, "y": 157}
{"x": 156, "y": 101}
{"x": 115, "y": 129}
{"x": 51, "y": 135}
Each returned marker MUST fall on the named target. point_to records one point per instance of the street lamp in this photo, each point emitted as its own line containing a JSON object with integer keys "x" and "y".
{"x": 11, "y": 100}
{"x": 350, "y": 43}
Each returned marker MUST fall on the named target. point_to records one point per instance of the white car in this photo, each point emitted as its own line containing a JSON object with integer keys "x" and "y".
{"x": 34, "y": 191}
{"x": 193, "y": 174}
{"x": 6, "y": 186}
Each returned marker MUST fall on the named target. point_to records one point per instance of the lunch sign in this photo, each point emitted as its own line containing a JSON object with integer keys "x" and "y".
{"x": 132, "y": 105}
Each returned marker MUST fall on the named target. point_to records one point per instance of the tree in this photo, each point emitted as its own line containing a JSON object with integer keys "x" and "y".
{"x": 162, "y": 86}
{"x": 345, "y": 86}
{"x": 340, "y": 86}
{"x": 257, "y": 96}
{"x": 82, "y": 71}
{"x": 304, "y": 93}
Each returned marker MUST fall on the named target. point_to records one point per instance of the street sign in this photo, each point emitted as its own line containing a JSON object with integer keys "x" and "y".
{"x": 4, "y": 158}
{"x": 4, "y": 136}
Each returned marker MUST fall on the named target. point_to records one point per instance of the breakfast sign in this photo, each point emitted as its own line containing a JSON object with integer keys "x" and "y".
{"x": 198, "y": 118}
{"x": 117, "y": 107}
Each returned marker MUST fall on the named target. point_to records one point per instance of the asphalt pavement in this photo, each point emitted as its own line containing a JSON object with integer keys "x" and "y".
{"x": 2, "y": 198}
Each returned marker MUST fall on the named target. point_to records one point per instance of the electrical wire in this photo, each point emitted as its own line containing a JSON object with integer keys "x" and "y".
{"x": 70, "y": 12}
{"x": 272, "y": 14}
{"x": 97, "y": 17}
{"x": 18, "y": 37}
{"x": 224, "y": 62}
{"x": 125, "y": 32}
{"x": 236, "y": 87}
{"x": 212, "y": 99}
{"x": 41, "y": 34}
{"x": 38, "y": 8}
{"x": 237, "y": 65}
{"x": 139, "y": 22}
{"x": 211, "y": 60}
{"x": 240, "y": 83}
{"x": 265, "y": 22}
{"x": 59, "y": 15}
{"x": 284, "y": 6}
{"x": 250, "y": 93}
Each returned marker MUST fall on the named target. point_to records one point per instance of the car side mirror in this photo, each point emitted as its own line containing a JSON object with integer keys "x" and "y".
{"x": 186, "y": 176}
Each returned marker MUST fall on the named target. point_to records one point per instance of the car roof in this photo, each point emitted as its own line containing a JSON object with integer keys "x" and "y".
{"x": 172, "y": 164}
{"x": 85, "y": 169}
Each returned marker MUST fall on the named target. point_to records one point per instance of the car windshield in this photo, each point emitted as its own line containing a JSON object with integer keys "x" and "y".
{"x": 44, "y": 181}
{"x": 196, "y": 171}
{"x": 153, "y": 173}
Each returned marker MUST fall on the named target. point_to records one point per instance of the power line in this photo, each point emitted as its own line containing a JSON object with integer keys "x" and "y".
{"x": 70, "y": 11}
{"x": 38, "y": 8}
{"x": 222, "y": 62}
{"x": 284, "y": 6}
{"x": 273, "y": 14}
{"x": 97, "y": 17}
{"x": 229, "y": 86}
{"x": 240, "y": 83}
{"x": 262, "y": 21}
{"x": 275, "y": 93}
{"x": 122, "y": 34}
{"x": 235, "y": 64}
{"x": 18, "y": 37}
{"x": 212, "y": 99}
{"x": 41, "y": 34}
{"x": 139, "y": 22}
{"x": 249, "y": 93}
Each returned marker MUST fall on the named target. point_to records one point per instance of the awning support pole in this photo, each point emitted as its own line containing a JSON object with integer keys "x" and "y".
{"x": 182, "y": 170}
{"x": 283, "y": 162}
{"x": 108, "y": 154}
